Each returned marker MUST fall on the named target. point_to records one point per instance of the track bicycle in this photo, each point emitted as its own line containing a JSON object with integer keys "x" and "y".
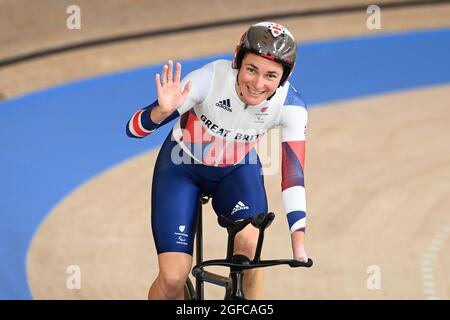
{"x": 237, "y": 263}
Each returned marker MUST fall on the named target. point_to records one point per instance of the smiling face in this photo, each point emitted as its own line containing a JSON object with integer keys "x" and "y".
{"x": 258, "y": 79}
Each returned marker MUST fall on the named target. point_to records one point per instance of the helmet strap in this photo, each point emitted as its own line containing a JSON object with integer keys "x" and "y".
{"x": 237, "y": 82}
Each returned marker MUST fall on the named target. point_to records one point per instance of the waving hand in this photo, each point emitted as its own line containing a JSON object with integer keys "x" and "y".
{"x": 170, "y": 95}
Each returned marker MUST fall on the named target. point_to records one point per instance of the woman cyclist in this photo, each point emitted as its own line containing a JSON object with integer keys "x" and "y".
{"x": 224, "y": 108}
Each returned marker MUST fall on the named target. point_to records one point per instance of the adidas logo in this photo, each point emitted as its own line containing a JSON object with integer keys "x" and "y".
{"x": 239, "y": 206}
{"x": 224, "y": 104}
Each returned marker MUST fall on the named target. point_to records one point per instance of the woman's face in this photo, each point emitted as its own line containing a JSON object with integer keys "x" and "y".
{"x": 258, "y": 79}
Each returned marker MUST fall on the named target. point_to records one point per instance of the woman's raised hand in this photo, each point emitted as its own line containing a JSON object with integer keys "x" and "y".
{"x": 170, "y": 95}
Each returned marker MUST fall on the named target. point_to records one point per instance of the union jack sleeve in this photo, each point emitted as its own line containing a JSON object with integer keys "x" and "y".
{"x": 141, "y": 125}
{"x": 293, "y": 124}
{"x": 293, "y": 183}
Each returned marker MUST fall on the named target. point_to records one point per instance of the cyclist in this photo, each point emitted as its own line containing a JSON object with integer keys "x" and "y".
{"x": 224, "y": 108}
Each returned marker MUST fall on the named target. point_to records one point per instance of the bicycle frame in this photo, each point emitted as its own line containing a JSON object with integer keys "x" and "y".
{"x": 232, "y": 284}
{"x": 199, "y": 287}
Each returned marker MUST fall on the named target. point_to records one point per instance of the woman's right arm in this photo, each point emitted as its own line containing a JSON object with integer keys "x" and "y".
{"x": 163, "y": 110}
{"x": 142, "y": 123}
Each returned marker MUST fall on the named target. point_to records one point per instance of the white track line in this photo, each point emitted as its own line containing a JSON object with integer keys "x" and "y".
{"x": 428, "y": 263}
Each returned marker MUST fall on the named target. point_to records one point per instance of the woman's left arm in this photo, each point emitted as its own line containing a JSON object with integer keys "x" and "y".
{"x": 293, "y": 123}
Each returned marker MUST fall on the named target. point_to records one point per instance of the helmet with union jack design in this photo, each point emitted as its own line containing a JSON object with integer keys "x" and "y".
{"x": 269, "y": 40}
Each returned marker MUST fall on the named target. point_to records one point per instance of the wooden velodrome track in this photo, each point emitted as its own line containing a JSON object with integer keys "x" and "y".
{"x": 383, "y": 199}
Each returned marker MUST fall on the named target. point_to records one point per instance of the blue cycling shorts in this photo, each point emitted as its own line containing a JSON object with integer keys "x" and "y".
{"x": 237, "y": 192}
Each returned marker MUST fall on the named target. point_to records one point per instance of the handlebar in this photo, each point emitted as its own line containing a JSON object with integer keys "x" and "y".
{"x": 241, "y": 262}
{"x": 197, "y": 271}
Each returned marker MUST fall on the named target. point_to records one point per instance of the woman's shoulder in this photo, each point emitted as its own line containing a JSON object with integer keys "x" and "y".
{"x": 293, "y": 97}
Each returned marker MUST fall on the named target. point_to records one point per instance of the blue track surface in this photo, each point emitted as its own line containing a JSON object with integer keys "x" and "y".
{"x": 53, "y": 141}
